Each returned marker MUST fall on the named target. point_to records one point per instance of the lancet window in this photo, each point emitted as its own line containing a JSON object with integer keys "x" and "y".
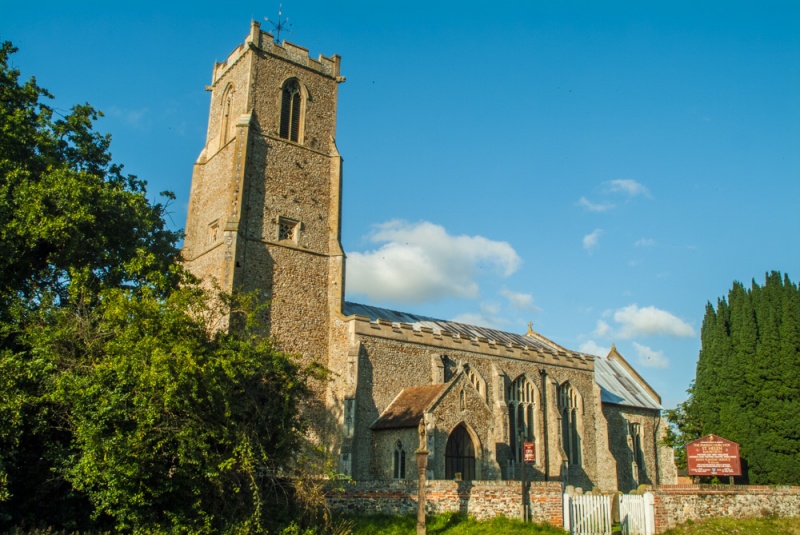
{"x": 399, "y": 464}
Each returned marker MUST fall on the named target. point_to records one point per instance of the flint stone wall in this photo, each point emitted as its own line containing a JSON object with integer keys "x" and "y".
{"x": 480, "y": 499}
{"x": 675, "y": 504}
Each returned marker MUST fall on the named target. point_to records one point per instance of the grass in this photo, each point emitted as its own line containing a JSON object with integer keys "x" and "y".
{"x": 739, "y": 526}
{"x": 446, "y": 524}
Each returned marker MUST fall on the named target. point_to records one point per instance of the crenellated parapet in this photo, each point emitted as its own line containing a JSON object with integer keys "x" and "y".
{"x": 447, "y": 340}
{"x": 265, "y": 42}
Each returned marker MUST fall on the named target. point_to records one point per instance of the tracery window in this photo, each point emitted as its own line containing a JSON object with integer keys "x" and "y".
{"x": 287, "y": 229}
{"x": 291, "y": 110}
{"x": 568, "y": 406}
{"x": 521, "y": 400}
{"x": 399, "y": 464}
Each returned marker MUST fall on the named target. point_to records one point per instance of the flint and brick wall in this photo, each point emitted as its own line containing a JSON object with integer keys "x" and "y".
{"x": 480, "y": 499}
{"x": 675, "y": 504}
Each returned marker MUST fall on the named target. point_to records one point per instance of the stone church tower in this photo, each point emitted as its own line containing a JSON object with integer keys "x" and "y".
{"x": 264, "y": 211}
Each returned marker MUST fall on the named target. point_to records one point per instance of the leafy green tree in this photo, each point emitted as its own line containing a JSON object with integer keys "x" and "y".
{"x": 747, "y": 386}
{"x": 122, "y": 407}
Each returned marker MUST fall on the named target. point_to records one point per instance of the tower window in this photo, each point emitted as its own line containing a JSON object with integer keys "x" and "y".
{"x": 213, "y": 232}
{"x": 291, "y": 103}
{"x": 287, "y": 229}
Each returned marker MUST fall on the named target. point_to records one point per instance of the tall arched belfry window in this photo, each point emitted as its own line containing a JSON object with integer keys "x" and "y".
{"x": 521, "y": 400}
{"x": 225, "y": 123}
{"x": 569, "y": 406}
{"x": 291, "y": 110}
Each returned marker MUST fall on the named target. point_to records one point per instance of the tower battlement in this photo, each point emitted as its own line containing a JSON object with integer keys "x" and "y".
{"x": 265, "y": 41}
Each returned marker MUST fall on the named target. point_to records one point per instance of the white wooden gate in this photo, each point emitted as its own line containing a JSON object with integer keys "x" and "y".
{"x": 637, "y": 514}
{"x": 588, "y": 514}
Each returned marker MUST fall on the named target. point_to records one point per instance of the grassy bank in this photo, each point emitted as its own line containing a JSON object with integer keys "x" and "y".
{"x": 446, "y": 524}
{"x": 739, "y": 526}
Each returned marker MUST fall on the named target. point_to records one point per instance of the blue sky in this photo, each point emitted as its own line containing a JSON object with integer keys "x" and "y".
{"x": 602, "y": 170}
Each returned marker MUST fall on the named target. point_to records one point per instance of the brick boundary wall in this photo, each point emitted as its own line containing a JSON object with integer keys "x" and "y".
{"x": 480, "y": 499}
{"x": 675, "y": 504}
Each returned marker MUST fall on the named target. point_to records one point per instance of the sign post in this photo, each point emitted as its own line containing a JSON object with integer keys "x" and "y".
{"x": 713, "y": 456}
{"x": 528, "y": 456}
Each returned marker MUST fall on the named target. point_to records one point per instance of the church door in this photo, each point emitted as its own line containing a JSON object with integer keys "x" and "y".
{"x": 459, "y": 455}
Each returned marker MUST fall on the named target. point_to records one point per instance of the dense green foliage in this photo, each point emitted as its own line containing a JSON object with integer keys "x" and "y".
{"x": 747, "y": 387}
{"x": 121, "y": 406}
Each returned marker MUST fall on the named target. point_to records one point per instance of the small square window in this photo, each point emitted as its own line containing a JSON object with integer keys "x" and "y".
{"x": 287, "y": 229}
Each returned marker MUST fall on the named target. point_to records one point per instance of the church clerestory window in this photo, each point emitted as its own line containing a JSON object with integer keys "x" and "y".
{"x": 399, "y": 464}
{"x": 291, "y": 111}
{"x": 521, "y": 400}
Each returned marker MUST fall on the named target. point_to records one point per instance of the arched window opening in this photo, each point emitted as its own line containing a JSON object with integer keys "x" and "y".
{"x": 568, "y": 405}
{"x": 291, "y": 112}
{"x": 521, "y": 400}
{"x": 459, "y": 455}
{"x": 399, "y": 461}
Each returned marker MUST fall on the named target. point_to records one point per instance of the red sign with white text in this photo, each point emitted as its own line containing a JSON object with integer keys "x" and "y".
{"x": 529, "y": 452}
{"x": 713, "y": 456}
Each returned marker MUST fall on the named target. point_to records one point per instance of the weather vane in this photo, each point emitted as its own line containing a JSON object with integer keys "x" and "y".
{"x": 281, "y": 25}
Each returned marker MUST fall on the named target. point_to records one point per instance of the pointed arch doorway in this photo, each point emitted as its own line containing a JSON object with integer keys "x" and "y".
{"x": 459, "y": 455}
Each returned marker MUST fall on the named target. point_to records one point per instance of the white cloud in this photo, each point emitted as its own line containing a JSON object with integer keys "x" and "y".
{"x": 590, "y": 347}
{"x": 420, "y": 262}
{"x": 650, "y": 358}
{"x": 590, "y": 241}
{"x": 594, "y": 207}
{"x": 519, "y": 300}
{"x": 649, "y": 321}
{"x": 645, "y": 242}
{"x": 630, "y": 187}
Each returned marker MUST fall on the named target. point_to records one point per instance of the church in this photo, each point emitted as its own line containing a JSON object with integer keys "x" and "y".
{"x": 265, "y": 216}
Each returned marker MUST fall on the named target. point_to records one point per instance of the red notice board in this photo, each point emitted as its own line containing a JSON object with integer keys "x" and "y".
{"x": 529, "y": 452}
{"x": 713, "y": 456}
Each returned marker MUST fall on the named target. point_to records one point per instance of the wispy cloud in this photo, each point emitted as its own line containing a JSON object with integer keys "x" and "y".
{"x": 489, "y": 315}
{"x": 590, "y": 347}
{"x": 650, "y": 358}
{"x": 594, "y": 206}
{"x": 591, "y": 241}
{"x": 139, "y": 119}
{"x": 520, "y": 301}
{"x": 629, "y": 187}
{"x": 421, "y": 262}
{"x": 645, "y": 242}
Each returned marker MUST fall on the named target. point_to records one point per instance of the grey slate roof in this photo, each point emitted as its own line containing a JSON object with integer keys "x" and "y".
{"x": 466, "y": 331}
{"x": 617, "y": 384}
